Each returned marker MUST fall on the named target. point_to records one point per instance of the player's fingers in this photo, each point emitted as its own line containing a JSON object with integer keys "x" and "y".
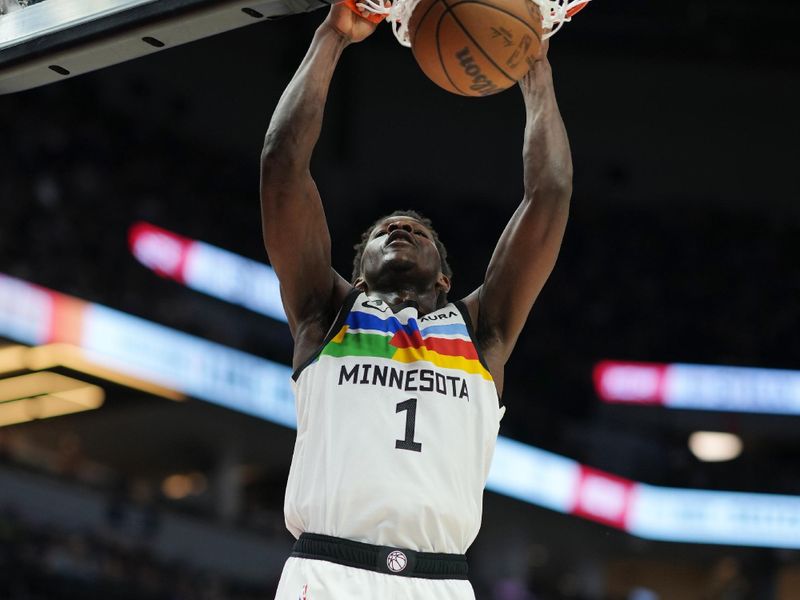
{"x": 363, "y": 10}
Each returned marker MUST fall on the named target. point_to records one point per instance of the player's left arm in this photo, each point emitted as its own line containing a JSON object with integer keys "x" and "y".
{"x": 528, "y": 248}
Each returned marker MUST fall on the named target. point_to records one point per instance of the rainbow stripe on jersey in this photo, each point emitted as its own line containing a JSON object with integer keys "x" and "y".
{"x": 444, "y": 345}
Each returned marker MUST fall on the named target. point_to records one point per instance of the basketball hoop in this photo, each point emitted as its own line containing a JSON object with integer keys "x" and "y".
{"x": 554, "y": 14}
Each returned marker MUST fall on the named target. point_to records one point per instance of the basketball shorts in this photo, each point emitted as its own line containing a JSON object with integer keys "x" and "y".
{"x": 325, "y": 568}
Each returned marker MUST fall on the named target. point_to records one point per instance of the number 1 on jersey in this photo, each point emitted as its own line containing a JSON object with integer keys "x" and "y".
{"x": 408, "y": 443}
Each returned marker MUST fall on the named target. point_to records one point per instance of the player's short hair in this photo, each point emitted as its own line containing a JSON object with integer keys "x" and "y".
{"x": 411, "y": 214}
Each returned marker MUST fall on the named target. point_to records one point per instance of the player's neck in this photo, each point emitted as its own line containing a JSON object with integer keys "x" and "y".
{"x": 426, "y": 301}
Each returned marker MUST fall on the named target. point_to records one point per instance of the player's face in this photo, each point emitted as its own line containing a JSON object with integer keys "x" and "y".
{"x": 401, "y": 247}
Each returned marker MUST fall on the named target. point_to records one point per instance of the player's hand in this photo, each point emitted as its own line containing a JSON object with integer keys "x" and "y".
{"x": 349, "y": 25}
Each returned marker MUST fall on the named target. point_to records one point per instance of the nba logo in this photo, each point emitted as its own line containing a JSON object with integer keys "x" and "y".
{"x": 396, "y": 561}
{"x": 303, "y": 593}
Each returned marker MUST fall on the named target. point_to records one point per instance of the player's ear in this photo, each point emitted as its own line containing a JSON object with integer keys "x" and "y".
{"x": 443, "y": 283}
{"x": 360, "y": 284}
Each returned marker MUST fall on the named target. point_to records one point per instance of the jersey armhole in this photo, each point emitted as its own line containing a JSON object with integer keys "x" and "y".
{"x": 462, "y": 308}
{"x": 341, "y": 317}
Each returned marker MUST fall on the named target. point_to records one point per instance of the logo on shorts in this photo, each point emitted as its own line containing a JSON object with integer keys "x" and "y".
{"x": 396, "y": 561}
{"x": 303, "y": 593}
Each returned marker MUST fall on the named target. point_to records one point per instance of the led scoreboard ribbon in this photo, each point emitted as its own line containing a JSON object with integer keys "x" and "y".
{"x": 142, "y": 349}
{"x": 208, "y": 269}
{"x": 699, "y": 387}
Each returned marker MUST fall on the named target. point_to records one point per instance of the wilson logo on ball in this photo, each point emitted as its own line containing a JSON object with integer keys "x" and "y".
{"x": 480, "y": 82}
{"x": 396, "y": 561}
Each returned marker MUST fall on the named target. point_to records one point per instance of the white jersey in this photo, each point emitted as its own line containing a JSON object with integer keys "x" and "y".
{"x": 397, "y": 421}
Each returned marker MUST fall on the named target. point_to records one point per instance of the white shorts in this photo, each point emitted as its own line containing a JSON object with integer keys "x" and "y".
{"x": 312, "y": 579}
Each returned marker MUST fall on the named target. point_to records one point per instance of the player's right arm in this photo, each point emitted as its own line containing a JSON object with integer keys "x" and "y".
{"x": 295, "y": 230}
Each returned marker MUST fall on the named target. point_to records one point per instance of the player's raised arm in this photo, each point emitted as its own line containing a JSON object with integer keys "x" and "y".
{"x": 295, "y": 230}
{"x": 527, "y": 250}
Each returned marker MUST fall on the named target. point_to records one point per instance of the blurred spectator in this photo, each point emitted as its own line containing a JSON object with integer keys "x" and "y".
{"x": 511, "y": 589}
{"x": 39, "y": 563}
{"x": 5, "y": 445}
{"x": 69, "y": 460}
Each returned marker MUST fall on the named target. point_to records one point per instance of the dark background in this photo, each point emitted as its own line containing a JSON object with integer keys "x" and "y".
{"x": 682, "y": 246}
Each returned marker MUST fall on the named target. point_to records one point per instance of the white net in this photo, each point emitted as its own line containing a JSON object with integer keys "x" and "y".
{"x": 554, "y": 14}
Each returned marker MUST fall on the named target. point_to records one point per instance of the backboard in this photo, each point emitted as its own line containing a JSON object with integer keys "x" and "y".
{"x": 49, "y": 40}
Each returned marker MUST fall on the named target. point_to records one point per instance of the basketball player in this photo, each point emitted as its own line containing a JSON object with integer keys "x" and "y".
{"x": 398, "y": 389}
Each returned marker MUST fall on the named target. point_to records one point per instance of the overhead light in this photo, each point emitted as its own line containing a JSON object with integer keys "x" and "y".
{"x": 715, "y": 446}
{"x": 73, "y": 357}
{"x": 44, "y": 395}
{"x": 180, "y": 485}
{"x": 12, "y": 358}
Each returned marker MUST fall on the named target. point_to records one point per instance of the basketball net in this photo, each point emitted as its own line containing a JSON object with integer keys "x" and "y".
{"x": 554, "y": 14}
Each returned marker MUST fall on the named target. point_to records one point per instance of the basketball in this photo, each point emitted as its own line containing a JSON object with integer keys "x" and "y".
{"x": 475, "y": 47}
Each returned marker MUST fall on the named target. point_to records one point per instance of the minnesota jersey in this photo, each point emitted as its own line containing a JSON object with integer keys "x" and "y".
{"x": 397, "y": 422}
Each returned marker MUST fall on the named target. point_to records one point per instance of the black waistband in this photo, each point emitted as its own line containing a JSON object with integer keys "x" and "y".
{"x": 381, "y": 559}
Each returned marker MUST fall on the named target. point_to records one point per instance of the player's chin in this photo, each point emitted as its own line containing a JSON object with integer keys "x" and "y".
{"x": 400, "y": 253}
{"x": 399, "y": 261}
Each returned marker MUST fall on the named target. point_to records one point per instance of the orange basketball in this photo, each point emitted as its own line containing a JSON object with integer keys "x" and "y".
{"x": 475, "y": 47}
